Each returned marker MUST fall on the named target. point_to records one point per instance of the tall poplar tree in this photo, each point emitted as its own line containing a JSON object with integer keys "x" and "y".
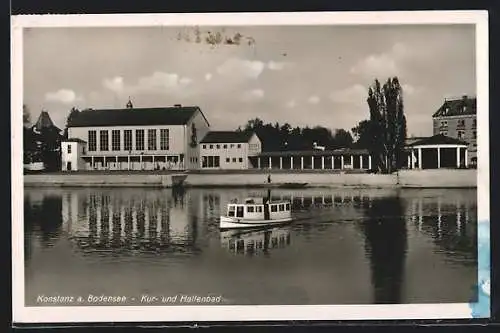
{"x": 388, "y": 124}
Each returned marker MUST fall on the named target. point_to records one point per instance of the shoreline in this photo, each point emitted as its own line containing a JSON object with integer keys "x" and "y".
{"x": 281, "y": 179}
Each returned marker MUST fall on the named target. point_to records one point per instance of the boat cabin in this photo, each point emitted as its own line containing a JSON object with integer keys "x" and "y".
{"x": 254, "y": 210}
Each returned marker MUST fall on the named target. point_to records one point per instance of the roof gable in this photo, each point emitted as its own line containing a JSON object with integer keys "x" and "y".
{"x": 178, "y": 115}
{"x": 457, "y": 107}
{"x": 439, "y": 139}
{"x": 45, "y": 122}
{"x": 227, "y": 137}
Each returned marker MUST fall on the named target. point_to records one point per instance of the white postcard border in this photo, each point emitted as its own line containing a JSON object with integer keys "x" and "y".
{"x": 23, "y": 314}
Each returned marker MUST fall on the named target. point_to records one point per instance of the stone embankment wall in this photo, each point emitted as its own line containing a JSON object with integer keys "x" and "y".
{"x": 408, "y": 178}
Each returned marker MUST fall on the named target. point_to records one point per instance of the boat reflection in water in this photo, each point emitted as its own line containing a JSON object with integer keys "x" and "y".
{"x": 256, "y": 241}
{"x": 386, "y": 246}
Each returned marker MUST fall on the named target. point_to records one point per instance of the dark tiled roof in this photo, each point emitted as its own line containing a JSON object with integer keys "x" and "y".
{"x": 336, "y": 152}
{"x": 457, "y": 107}
{"x": 74, "y": 140}
{"x": 439, "y": 139}
{"x": 227, "y": 137}
{"x": 135, "y": 117}
{"x": 412, "y": 140}
{"x": 44, "y": 122}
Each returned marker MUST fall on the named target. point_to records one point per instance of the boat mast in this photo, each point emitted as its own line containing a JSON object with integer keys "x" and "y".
{"x": 267, "y": 215}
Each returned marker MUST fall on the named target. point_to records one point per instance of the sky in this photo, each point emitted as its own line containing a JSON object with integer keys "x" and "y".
{"x": 303, "y": 75}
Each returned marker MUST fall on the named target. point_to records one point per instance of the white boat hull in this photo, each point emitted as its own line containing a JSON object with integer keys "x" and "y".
{"x": 234, "y": 223}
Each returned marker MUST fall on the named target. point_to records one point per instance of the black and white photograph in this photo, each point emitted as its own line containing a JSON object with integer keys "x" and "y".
{"x": 270, "y": 166}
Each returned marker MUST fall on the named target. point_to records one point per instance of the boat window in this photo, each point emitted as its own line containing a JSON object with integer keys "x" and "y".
{"x": 282, "y": 207}
{"x": 230, "y": 211}
{"x": 239, "y": 211}
{"x": 274, "y": 208}
{"x": 258, "y": 209}
{"x": 287, "y": 206}
{"x": 250, "y": 209}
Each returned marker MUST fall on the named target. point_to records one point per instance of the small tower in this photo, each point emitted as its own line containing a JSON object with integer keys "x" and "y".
{"x": 129, "y": 104}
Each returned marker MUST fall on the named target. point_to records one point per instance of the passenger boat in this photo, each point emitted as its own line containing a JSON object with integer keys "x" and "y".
{"x": 256, "y": 212}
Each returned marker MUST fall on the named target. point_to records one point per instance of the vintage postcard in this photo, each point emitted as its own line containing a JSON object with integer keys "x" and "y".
{"x": 250, "y": 167}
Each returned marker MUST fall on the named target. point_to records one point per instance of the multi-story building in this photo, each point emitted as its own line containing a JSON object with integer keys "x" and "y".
{"x": 456, "y": 118}
{"x": 139, "y": 138}
{"x": 229, "y": 150}
{"x": 73, "y": 153}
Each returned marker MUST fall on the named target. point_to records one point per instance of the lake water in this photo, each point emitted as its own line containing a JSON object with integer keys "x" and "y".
{"x": 346, "y": 246}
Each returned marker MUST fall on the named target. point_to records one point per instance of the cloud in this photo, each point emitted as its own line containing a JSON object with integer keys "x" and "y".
{"x": 314, "y": 99}
{"x": 253, "y": 95}
{"x": 65, "y": 96}
{"x": 410, "y": 90}
{"x": 158, "y": 82}
{"x": 291, "y": 104}
{"x": 241, "y": 68}
{"x": 350, "y": 104}
{"x": 208, "y": 76}
{"x": 275, "y": 65}
{"x": 354, "y": 94}
{"x": 114, "y": 84}
{"x": 185, "y": 81}
{"x": 384, "y": 64}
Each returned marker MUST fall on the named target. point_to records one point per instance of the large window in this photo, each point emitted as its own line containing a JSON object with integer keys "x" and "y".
{"x": 127, "y": 140}
{"x": 104, "y": 141}
{"x": 139, "y": 139}
{"x": 210, "y": 162}
{"x": 164, "y": 140}
{"x": 92, "y": 141}
{"x": 115, "y": 140}
{"x": 151, "y": 139}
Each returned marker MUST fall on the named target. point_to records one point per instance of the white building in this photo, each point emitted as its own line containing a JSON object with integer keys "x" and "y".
{"x": 140, "y": 138}
{"x": 72, "y": 154}
{"x": 229, "y": 150}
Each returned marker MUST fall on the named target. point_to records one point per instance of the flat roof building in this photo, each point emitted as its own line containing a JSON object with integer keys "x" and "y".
{"x": 140, "y": 138}
{"x": 229, "y": 150}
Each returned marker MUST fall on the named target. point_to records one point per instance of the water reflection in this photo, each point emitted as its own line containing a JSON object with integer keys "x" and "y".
{"x": 110, "y": 219}
{"x": 42, "y": 216}
{"x": 389, "y": 234}
{"x": 255, "y": 242}
{"x": 115, "y": 221}
{"x": 451, "y": 222}
{"x": 385, "y": 234}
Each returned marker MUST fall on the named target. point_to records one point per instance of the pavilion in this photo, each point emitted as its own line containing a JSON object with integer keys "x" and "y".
{"x": 436, "y": 152}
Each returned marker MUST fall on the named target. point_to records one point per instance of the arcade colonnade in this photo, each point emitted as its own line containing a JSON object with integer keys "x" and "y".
{"x": 317, "y": 160}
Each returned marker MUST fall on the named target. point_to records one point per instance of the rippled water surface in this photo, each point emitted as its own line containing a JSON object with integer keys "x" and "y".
{"x": 346, "y": 246}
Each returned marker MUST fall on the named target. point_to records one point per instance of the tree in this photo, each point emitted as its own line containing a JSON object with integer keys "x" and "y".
{"x": 342, "y": 138}
{"x": 387, "y": 125}
{"x": 71, "y": 116}
{"x": 276, "y": 137}
{"x": 26, "y": 116}
{"x": 364, "y": 134}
